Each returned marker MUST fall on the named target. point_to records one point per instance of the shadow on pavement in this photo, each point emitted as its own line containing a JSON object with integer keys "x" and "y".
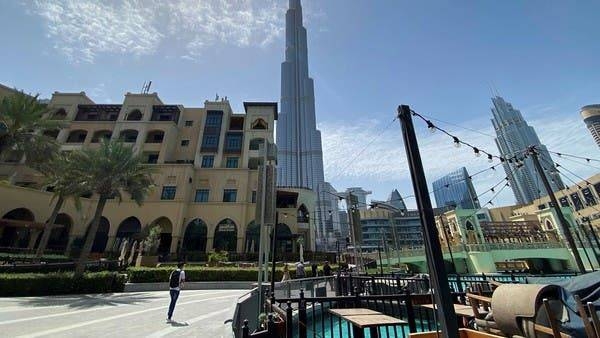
{"x": 89, "y": 301}
{"x": 178, "y": 324}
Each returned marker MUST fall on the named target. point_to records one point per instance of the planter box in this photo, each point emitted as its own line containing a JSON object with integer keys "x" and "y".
{"x": 464, "y": 333}
{"x": 149, "y": 261}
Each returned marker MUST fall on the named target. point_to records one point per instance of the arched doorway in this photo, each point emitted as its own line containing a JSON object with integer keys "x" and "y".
{"x": 252, "y": 237}
{"x": 129, "y": 230}
{"x": 166, "y": 229}
{"x": 285, "y": 239}
{"x": 225, "y": 238}
{"x": 13, "y": 236}
{"x": 195, "y": 235}
{"x": 59, "y": 237}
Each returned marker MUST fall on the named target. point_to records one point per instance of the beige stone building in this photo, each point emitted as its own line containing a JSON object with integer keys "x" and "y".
{"x": 205, "y": 197}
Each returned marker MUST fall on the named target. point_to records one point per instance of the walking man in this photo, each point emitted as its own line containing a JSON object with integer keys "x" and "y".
{"x": 176, "y": 281}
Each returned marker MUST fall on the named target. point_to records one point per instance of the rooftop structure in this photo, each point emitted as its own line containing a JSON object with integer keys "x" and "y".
{"x": 591, "y": 118}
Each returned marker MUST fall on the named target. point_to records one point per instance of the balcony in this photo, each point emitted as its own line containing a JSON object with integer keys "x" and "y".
{"x": 165, "y": 113}
{"x": 98, "y": 112}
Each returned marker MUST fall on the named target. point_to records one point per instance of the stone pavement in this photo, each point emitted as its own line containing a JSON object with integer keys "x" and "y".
{"x": 199, "y": 313}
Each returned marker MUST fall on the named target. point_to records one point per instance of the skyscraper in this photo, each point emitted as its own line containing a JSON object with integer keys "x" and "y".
{"x": 591, "y": 117}
{"x": 300, "y": 156}
{"x": 513, "y": 137}
{"x": 455, "y": 189}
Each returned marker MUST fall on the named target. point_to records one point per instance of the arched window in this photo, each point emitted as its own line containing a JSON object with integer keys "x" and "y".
{"x": 469, "y": 226}
{"x": 134, "y": 115}
{"x": 225, "y": 238}
{"x": 16, "y": 236}
{"x": 549, "y": 225}
{"x": 51, "y": 133}
{"x": 77, "y": 136}
{"x": 155, "y": 136}
{"x": 128, "y": 136}
{"x": 101, "y": 134}
{"x": 59, "y": 114}
{"x": 252, "y": 237}
{"x": 195, "y": 236}
{"x": 259, "y": 124}
{"x": 255, "y": 143}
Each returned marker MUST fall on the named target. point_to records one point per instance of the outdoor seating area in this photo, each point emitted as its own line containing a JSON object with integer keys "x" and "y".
{"x": 384, "y": 306}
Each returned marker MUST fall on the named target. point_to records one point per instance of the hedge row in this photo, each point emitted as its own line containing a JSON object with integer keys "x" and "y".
{"x": 202, "y": 274}
{"x": 11, "y": 257}
{"x": 59, "y": 283}
{"x": 58, "y": 267}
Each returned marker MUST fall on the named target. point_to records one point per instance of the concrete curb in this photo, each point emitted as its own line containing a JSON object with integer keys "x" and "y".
{"x": 228, "y": 285}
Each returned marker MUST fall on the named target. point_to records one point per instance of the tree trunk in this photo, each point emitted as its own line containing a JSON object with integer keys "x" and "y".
{"x": 48, "y": 227}
{"x": 89, "y": 240}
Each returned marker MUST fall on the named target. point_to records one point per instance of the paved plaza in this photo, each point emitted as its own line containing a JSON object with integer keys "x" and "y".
{"x": 199, "y": 313}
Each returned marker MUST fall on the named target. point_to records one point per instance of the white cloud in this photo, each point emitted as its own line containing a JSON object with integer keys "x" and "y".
{"x": 84, "y": 29}
{"x": 384, "y": 163}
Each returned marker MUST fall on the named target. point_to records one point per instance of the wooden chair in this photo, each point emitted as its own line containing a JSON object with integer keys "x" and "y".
{"x": 594, "y": 318}
{"x": 587, "y": 320}
{"x": 554, "y": 329}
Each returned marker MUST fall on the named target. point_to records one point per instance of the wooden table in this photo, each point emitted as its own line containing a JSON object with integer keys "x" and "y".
{"x": 366, "y": 318}
{"x": 460, "y": 309}
{"x": 353, "y": 312}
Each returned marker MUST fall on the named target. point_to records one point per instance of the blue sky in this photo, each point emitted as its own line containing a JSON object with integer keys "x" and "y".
{"x": 366, "y": 57}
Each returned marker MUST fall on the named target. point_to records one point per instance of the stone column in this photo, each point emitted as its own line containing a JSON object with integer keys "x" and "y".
{"x": 109, "y": 243}
{"x": 174, "y": 242}
{"x": 209, "y": 244}
{"x": 240, "y": 244}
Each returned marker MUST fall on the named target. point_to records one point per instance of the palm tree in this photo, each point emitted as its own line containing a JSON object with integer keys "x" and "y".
{"x": 58, "y": 172}
{"x": 108, "y": 171}
{"x": 21, "y": 120}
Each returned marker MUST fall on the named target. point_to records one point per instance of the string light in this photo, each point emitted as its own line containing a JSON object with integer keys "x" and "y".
{"x": 490, "y": 158}
{"x": 430, "y": 126}
{"x": 476, "y": 151}
{"x": 456, "y": 142}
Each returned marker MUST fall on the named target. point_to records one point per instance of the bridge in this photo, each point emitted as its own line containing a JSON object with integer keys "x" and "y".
{"x": 546, "y": 257}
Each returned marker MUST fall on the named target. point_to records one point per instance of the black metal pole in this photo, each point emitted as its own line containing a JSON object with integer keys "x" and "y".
{"x": 273, "y": 252}
{"x": 589, "y": 222}
{"x": 435, "y": 261}
{"x": 587, "y": 256}
{"x": 561, "y": 218}
{"x": 589, "y": 239}
{"x": 380, "y": 260}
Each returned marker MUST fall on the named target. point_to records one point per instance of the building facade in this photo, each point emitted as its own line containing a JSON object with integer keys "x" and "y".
{"x": 455, "y": 189}
{"x": 591, "y": 118}
{"x": 206, "y": 181}
{"x": 513, "y": 137}
{"x": 300, "y": 155}
{"x": 387, "y": 229}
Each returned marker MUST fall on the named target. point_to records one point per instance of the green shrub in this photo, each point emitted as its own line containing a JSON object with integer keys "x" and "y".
{"x": 59, "y": 283}
{"x": 204, "y": 274}
{"x": 10, "y": 257}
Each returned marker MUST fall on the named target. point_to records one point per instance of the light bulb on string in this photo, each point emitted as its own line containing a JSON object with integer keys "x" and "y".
{"x": 456, "y": 142}
{"x": 490, "y": 158}
{"x": 430, "y": 126}
{"x": 476, "y": 151}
